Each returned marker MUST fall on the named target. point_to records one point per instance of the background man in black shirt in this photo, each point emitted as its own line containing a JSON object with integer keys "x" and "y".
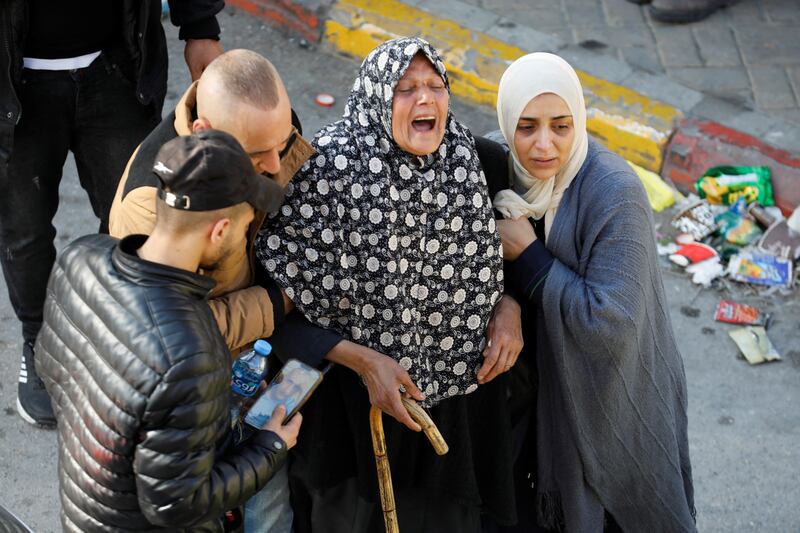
{"x": 87, "y": 77}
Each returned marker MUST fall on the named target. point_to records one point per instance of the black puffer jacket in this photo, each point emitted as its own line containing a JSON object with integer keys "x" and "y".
{"x": 142, "y": 39}
{"x": 139, "y": 376}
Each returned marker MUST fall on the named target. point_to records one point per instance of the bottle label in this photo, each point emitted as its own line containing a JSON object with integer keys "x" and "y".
{"x": 244, "y": 387}
{"x": 246, "y": 383}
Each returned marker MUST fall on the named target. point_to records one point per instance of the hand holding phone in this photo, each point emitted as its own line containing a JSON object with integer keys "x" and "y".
{"x": 290, "y": 388}
{"x": 288, "y": 432}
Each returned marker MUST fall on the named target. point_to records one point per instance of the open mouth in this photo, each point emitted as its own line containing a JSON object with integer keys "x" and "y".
{"x": 423, "y": 124}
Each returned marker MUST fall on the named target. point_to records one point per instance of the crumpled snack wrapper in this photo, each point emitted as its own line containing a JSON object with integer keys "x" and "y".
{"x": 697, "y": 220}
{"x": 726, "y": 184}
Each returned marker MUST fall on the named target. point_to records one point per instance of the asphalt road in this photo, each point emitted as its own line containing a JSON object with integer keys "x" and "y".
{"x": 744, "y": 421}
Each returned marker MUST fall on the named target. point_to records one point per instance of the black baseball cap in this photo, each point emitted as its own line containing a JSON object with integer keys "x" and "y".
{"x": 210, "y": 170}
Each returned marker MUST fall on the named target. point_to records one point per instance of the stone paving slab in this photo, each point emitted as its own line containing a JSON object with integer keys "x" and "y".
{"x": 723, "y": 56}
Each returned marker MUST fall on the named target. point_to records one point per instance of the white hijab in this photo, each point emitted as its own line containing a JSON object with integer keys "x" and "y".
{"x": 527, "y": 78}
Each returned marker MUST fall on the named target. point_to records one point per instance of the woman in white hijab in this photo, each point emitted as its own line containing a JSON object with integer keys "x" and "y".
{"x": 606, "y": 446}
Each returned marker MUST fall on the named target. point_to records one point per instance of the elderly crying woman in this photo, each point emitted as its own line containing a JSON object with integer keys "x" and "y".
{"x": 607, "y": 442}
{"x": 387, "y": 237}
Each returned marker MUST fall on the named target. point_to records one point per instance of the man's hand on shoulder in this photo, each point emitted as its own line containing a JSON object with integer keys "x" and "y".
{"x": 199, "y": 53}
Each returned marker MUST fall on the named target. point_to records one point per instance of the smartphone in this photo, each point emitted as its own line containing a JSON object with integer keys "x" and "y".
{"x": 291, "y": 387}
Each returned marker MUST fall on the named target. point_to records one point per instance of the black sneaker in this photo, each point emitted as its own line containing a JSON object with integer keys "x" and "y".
{"x": 33, "y": 402}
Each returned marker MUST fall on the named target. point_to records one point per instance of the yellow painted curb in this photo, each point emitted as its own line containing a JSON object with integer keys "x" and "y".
{"x": 628, "y": 122}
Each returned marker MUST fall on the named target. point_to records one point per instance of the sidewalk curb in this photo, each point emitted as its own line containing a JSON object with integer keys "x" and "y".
{"x": 303, "y": 17}
{"x": 648, "y": 119}
{"x": 698, "y": 145}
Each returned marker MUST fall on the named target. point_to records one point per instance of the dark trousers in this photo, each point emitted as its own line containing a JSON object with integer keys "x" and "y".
{"x": 341, "y": 509}
{"x": 92, "y": 112}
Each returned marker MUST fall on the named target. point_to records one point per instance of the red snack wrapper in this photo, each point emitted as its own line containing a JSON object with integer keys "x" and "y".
{"x": 692, "y": 253}
{"x": 736, "y": 313}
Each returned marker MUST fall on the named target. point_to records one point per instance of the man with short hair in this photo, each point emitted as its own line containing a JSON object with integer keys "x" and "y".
{"x": 241, "y": 93}
{"x": 136, "y": 366}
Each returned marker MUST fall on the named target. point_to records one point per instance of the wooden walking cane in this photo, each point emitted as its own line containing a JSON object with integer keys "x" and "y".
{"x": 382, "y": 460}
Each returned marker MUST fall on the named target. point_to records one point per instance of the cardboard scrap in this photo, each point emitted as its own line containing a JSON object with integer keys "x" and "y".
{"x": 754, "y": 344}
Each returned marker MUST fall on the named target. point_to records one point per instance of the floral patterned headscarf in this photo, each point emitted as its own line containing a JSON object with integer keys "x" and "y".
{"x": 395, "y": 251}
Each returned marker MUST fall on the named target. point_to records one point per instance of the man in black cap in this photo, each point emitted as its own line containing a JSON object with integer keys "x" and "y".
{"x": 137, "y": 370}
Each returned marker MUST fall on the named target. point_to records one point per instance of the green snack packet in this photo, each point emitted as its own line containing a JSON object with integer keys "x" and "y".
{"x": 737, "y": 230}
{"x": 724, "y": 185}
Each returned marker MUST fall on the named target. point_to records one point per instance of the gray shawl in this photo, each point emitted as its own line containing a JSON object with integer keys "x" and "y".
{"x": 611, "y": 415}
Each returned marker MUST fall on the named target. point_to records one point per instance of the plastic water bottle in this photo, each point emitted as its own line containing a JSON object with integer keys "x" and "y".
{"x": 248, "y": 372}
{"x": 249, "y": 369}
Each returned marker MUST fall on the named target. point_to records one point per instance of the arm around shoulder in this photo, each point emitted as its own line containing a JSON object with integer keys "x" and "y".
{"x": 244, "y": 316}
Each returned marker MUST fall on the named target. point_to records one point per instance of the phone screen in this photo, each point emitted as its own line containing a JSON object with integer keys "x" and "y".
{"x": 291, "y": 387}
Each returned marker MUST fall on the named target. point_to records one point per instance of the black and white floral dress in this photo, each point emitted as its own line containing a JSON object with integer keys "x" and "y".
{"x": 396, "y": 252}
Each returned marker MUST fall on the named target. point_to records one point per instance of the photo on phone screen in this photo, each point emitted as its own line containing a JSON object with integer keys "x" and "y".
{"x": 291, "y": 387}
